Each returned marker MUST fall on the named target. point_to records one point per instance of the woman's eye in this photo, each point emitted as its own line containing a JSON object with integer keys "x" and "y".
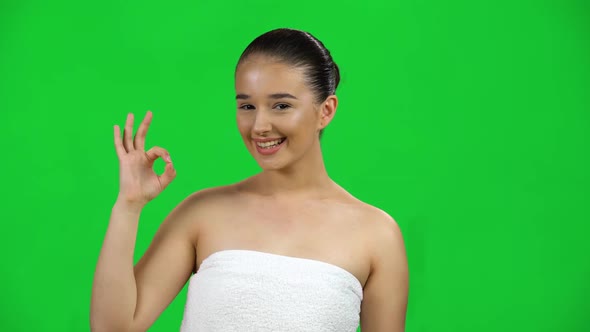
{"x": 247, "y": 107}
{"x": 282, "y": 106}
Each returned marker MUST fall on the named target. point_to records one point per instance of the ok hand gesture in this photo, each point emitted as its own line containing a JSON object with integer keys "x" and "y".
{"x": 138, "y": 183}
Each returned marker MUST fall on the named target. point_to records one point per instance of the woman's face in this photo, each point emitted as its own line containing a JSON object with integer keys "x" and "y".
{"x": 276, "y": 114}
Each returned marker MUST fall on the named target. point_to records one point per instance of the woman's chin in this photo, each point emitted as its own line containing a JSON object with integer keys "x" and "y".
{"x": 266, "y": 166}
{"x": 271, "y": 165}
{"x": 268, "y": 163}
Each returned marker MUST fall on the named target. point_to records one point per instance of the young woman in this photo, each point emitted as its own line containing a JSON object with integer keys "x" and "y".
{"x": 287, "y": 249}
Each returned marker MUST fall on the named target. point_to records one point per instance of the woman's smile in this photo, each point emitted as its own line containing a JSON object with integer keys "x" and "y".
{"x": 269, "y": 146}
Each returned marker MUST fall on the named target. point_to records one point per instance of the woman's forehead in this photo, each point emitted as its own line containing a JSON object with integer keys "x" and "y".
{"x": 265, "y": 75}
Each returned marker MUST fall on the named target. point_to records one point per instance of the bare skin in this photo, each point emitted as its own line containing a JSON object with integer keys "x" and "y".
{"x": 291, "y": 208}
{"x": 328, "y": 229}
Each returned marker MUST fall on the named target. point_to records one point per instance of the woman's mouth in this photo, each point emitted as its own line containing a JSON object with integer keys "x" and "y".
{"x": 270, "y": 147}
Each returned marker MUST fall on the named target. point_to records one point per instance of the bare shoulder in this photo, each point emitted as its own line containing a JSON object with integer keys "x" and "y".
{"x": 378, "y": 230}
{"x": 382, "y": 229}
{"x": 375, "y": 220}
{"x": 208, "y": 199}
{"x": 197, "y": 207}
{"x": 211, "y": 195}
{"x": 382, "y": 225}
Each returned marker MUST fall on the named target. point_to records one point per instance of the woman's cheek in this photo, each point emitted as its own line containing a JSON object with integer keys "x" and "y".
{"x": 244, "y": 123}
{"x": 294, "y": 122}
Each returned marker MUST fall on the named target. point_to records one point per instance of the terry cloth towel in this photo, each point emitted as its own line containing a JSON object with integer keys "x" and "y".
{"x": 246, "y": 290}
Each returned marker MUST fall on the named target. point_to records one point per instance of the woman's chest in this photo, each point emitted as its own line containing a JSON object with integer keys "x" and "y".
{"x": 297, "y": 231}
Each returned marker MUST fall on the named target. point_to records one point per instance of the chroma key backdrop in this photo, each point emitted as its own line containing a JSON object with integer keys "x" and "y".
{"x": 467, "y": 121}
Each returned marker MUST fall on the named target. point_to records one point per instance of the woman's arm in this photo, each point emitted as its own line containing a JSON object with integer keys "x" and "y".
{"x": 128, "y": 298}
{"x": 385, "y": 296}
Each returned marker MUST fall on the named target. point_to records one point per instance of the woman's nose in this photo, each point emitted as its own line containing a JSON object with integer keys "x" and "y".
{"x": 261, "y": 123}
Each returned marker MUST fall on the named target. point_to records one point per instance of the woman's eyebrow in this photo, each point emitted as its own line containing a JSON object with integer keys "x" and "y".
{"x": 272, "y": 96}
{"x": 281, "y": 96}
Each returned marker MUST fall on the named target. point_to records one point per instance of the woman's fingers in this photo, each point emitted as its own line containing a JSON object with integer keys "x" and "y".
{"x": 128, "y": 134}
{"x": 168, "y": 175}
{"x": 169, "y": 172}
{"x": 118, "y": 143}
{"x": 139, "y": 140}
{"x": 156, "y": 152}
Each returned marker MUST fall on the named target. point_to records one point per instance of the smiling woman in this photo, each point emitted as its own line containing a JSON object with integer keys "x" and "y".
{"x": 286, "y": 249}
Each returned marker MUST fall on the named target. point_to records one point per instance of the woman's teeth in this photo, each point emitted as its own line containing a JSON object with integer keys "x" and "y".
{"x": 270, "y": 144}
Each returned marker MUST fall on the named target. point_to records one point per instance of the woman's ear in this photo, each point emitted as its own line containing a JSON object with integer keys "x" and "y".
{"x": 327, "y": 111}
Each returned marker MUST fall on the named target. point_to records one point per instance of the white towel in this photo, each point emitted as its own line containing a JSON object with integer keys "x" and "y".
{"x": 246, "y": 290}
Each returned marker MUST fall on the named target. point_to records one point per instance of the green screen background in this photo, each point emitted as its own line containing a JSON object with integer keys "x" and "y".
{"x": 467, "y": 121}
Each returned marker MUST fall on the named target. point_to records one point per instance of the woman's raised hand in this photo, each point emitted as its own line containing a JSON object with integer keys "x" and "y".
{"x": 138, "y": 182}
